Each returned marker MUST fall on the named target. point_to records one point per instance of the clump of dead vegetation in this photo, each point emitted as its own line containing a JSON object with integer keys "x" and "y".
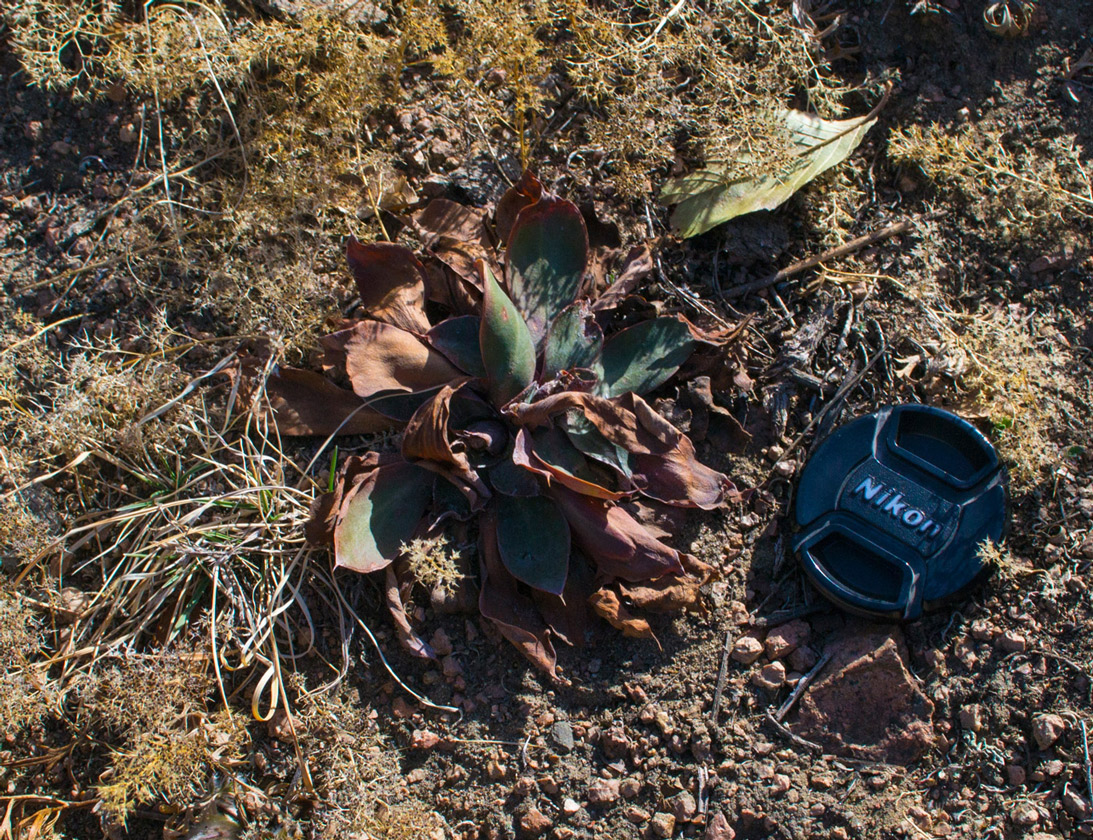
{"x": 998, "y": 365}
{"x": 1024, "y": 193}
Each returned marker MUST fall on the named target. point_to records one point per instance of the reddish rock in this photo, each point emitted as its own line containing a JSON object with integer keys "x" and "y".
{"x": 866, "y": 704}
{"x": 783, "y": 640}
{"x": 1047, "y": 729}
{"x": 747, "y": 649}
{"x": 535, "y": 822}
{"x": 423, "y": 739}
{"x": 770, "y": 677}
{"x": 803, "y": 659}
{"x": 719, "y": 828}
{"x": 684, "y": 807}
{"x": 662, "y": 825}
{"x": 603, "y": 791}
{"x": 1012, "y": 642}
{"x": 615, "y": 743}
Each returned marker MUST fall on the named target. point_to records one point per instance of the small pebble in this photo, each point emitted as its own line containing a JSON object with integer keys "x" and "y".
{"x": 770, "y": 677}
{"x": 662, "y": 825}
{"x": 535, "y": 822}
{"x": 1047, "y": 729}
{"x": 747, "y": 649}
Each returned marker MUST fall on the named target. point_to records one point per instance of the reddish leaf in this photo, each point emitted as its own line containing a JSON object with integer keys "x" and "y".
{"x": 458, "y": 235}
{"x": 303, "y": 402}
{"x": 661, "y": 458}
{"x": 380, "y": 514}
{"x": 637, "y": 266}
{"x": 445, "y": 286}
{"x": 409, "y": 640}
{"x": 427, "y": 440}
{"x": 608, "y": 605}
{"x": 540, "y": 454}
{"x": 523, "y": 193}
{"x": 380, "y": 357}
{"x": 502, "y": 603}
{"x": 391, "y": 282}
{"x": 545, "y": 261}
{"x": 618, "y": 545}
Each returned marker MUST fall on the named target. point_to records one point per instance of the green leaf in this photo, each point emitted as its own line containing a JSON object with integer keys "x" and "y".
{"x": 587, "y": 438}
{"x": 574, "y": 340}
{"x": 710, "y": 196}
{"x": 508, "y": 353}
{"x": 383, "y": 514}
{"x": 533, "y": 540}
{"x": 643, "y": 356}
{"x": 457, "y": 339}
{"x": 512, "y": 479}
{"x": 546, "y": 259}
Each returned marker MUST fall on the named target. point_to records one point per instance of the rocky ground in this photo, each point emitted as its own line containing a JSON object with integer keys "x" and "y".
{"x": 769, "y": 713}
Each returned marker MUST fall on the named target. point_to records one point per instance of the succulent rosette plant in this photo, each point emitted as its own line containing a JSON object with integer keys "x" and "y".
{"x": 521, "y": 407}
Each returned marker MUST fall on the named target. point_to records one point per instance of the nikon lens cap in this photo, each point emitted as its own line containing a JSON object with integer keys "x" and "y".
{"x": 892, "y": 508}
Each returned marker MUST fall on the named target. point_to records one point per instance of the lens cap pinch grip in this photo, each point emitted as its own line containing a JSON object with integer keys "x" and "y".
{"x": 892, "y": 509}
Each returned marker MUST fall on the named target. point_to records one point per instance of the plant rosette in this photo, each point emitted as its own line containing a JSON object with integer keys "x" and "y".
{"x": 522, "y": 412}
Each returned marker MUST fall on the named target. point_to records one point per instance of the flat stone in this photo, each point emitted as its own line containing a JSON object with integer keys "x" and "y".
{"x": 603, "y": 791}
{"x": 561, "y": 733}
{"x": 662, "y": 825}
{"x": 866, "y": 704}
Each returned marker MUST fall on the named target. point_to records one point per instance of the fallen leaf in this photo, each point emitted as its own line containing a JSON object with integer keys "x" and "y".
{"x": 708, "y": 197}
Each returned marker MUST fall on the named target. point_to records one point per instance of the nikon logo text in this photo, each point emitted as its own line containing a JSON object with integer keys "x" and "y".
{"x": 891, "y": 502}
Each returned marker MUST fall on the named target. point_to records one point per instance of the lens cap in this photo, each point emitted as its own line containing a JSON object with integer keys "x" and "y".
{"x": 892, "y": 508}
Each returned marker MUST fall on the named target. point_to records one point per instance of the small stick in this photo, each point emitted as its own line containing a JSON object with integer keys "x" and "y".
{"x": 1088, "y": 766}
{"x": 856, "y": 244}
{"x": 797, "y": 739}
{"x": 799, "y": 689}
{"x": 722, "y": 674}
{"x": 778, "y": 619}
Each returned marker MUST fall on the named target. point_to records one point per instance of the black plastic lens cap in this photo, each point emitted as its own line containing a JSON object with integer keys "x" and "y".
{"x": 893, "y": 506}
